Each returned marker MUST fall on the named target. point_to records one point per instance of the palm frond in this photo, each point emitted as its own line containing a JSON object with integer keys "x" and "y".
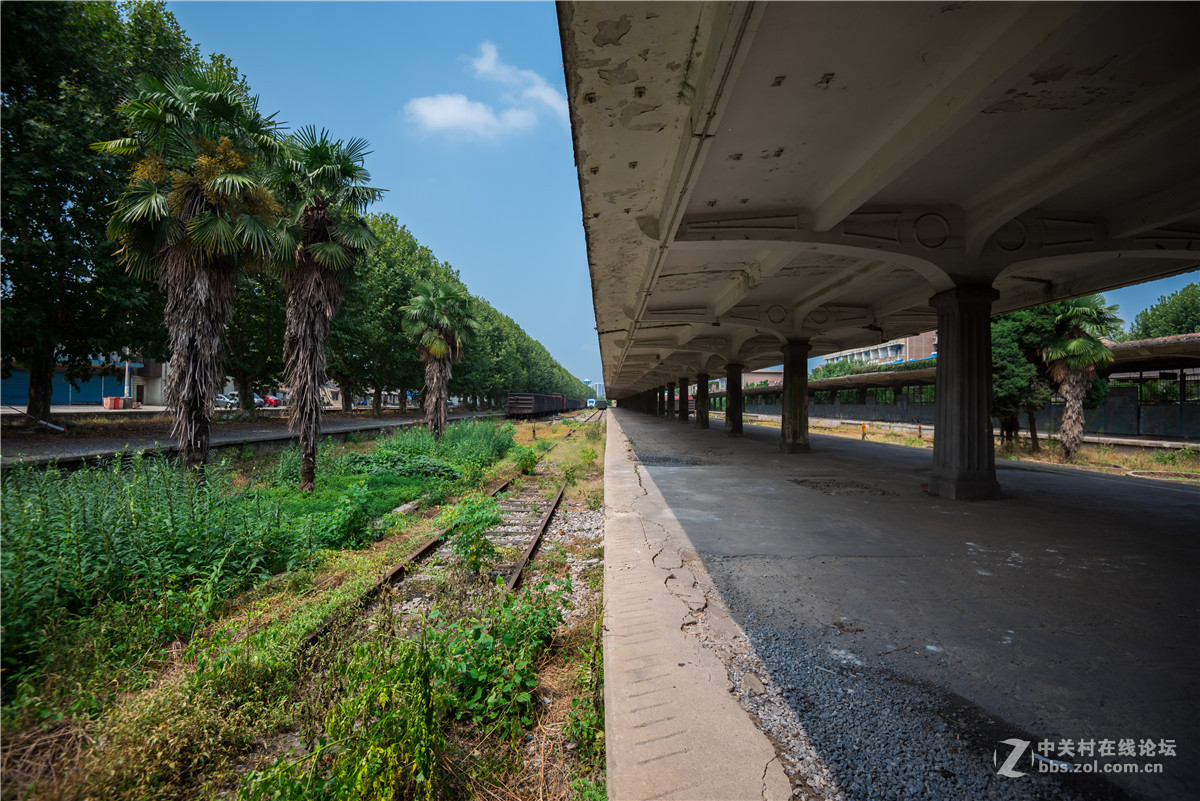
{"x": 143, "y": 201}
{"x": 256, "y": 236}
{"x": 354, "y": 233}
{"x": 119, "y": 147}
{"x": 332, "y": 256}
{"x": 212, "y": 234}
{"x": 231, "y": 184}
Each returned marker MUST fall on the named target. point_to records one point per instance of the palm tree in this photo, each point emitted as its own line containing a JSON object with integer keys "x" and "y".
{"x": 440, "y": 320}
{"x": 1073, "y": 356}
{"x": 195, "y": 210}
{"x": 323, "y": 185}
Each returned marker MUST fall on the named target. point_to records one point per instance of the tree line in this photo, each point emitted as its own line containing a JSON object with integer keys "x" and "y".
{"x": 257, "y": 238}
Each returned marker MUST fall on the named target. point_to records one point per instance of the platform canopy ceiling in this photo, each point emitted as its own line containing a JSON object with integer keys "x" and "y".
{"x": 753, "y": 173}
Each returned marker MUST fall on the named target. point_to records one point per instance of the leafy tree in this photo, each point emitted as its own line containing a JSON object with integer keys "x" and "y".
{"x": 1073, "y": 355}
{"x": 194, "y": 211}
{"x": 439, "y": 319}
{"x": 65, "y": 298}
{"x": 323, "y": 185}
{"x": 366, "y": 352}
{"x": 833, "y": 369}
{"x": 1177, "y": 313}
{"x": 254, "y": 337}
{"x": 1019, "y": 377}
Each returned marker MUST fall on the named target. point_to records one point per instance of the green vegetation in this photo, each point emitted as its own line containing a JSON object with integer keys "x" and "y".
{"x": 526, "y": 460}
{"x": 466, "y": 524}
{"x": 191, "y": 661}
{"x": 585, "y": 724}
{"x": 319, "y": 240}
{"x": 1073, "y": 355}
{"x": 1177, "y": 313}
{"x": 143, "y": 554}
{"x": 386, "y": 736}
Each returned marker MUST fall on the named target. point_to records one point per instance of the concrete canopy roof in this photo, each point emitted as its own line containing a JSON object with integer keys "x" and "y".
{"x": 752, "y": 173}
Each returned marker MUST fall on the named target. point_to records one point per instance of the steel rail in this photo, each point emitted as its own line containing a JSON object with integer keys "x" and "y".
{"x": 514, "y": 580}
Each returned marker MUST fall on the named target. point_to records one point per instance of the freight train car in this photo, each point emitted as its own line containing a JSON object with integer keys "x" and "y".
{"x": 528, "y": 404}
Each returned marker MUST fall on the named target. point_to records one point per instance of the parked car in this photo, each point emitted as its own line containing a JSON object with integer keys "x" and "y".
{"x": 224, "y": 401}
{"x": 271, "y": 400}
{"x": 258, "y": 400}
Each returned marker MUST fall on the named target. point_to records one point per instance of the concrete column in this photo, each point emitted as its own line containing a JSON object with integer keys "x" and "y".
{"x": 964, "y": 466}
{"x": 656, "y": 405}
{"x": 733, "y": 400}
{"x": 702, "y": 400}
{"x": 683, "y": 399}
{"x": 794, "y": 428}
{"x": 670, "y": 400}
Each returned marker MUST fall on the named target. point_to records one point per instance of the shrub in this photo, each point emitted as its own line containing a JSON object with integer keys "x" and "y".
{"x": 526, "y": 459}
{"x": 466, "y": 524}
{"x": 491, "y": 660}
{"x": 346, "y": 525}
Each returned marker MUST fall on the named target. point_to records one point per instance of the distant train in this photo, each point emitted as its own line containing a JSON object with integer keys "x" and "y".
{"x": 528, "y": 404}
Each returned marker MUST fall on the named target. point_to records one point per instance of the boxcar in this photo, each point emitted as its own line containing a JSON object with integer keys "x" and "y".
{"x": 529, "y": 404}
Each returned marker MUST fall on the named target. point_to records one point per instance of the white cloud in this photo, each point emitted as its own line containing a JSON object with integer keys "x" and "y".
{"x": 456, "y": 113}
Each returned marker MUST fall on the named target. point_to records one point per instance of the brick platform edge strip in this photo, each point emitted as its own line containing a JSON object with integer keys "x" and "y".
{"x": 673, "y": 727}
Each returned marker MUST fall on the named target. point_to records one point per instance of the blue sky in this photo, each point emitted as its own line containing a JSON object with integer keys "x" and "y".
{"x": 464, "y": 105}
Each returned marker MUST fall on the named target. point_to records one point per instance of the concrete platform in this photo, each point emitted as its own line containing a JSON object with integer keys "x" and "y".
{"x": 1068, "y": 609}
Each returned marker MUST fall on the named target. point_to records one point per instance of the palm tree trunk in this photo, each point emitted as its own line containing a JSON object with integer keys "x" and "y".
{"x": 313, "y": 297}
{"x": 437, "y": 381}
{"x": 200, "y": 296}
{"x": 1073, "y": 388}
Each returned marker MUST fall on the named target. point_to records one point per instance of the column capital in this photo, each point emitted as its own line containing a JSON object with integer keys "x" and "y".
{"x": 964, "y": 295}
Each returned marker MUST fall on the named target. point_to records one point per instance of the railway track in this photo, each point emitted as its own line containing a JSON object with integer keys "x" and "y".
{"x": 525, "y": 516}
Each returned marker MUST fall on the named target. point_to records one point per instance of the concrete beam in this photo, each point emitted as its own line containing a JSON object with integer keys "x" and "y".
{"x": 1079, "y": 158}
{"x": 1154, "y": 211}
{"x": 948, "y": 104}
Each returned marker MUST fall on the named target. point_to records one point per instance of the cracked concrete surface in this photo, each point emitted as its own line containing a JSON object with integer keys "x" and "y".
{"x": 1068, "y": 609}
